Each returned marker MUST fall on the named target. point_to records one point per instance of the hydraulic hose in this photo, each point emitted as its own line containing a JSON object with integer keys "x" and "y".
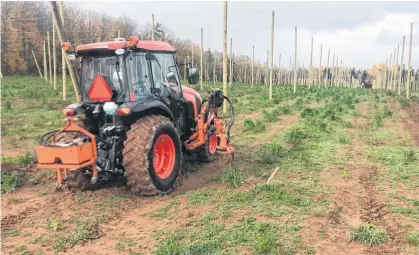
{"x": 231, "y": 121}
{"x": 47, "y": 136}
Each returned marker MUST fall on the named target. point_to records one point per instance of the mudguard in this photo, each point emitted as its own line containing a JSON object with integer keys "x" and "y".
{"x": 149, "y": 105}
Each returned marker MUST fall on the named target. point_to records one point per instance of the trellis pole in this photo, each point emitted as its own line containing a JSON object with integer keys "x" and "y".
{"x": 311, "y": 80}
{"x": 64, "y": 66}
{"x": 327, "y": 67}
{"x": 231, "y": 62}
{"x": 215, "y": 67}
{"x": 271, "y": 59}
{"x": 202, "y": 58}
{"x": 45, "y": 63}
{"x": 409, "y": 62}
{"x": 401, "y": 65}
{"x": 152, "y": 27}
{"x": 279, "y": 69}
{"x": 37, "y": 66}
{"x": 320, "y": 66}
{"x": 395, "y": 70}
{"x": 54, "y": 53}
{"x": 61, "y": 36}
{"x": 295, "y": 61}
{"x": 49, "y": 58}
{"x": 253, "y": 63}
{"x": 225, "y": 57}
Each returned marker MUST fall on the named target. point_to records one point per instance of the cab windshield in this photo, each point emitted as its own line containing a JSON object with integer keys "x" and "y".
{"x": 112, "y": 69}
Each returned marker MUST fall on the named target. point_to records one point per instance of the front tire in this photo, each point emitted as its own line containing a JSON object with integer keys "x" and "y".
{"x": 207, "y": 151}
{"x": 152, "y": 156}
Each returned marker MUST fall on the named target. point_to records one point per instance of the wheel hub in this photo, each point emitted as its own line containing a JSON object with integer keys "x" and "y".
{"x": 164, "y": 156}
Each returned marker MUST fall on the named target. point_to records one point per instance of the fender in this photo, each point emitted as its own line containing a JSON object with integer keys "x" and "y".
{"x": 147, "y": 106}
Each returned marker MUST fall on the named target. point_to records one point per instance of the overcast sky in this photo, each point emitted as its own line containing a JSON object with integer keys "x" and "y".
{"x": 359, "y": 33}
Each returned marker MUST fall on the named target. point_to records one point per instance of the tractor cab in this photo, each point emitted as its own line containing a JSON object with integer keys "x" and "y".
{"x": 131, "y": 69}
{"x": 134, "y": 74}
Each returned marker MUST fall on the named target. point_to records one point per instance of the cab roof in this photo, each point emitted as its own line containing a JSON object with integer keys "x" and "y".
{"x": 113, "y": 45}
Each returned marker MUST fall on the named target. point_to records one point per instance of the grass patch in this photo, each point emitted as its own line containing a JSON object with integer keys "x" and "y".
{"x": 11, "y": 232}
{"x": 217, "y": 238}
{"x": 258, "y": 126}
{"x": 368, "y": 234}
{"x": 413, "y": 238}
{"x": 233, "y": 177}
{"x": 9, "y": 181}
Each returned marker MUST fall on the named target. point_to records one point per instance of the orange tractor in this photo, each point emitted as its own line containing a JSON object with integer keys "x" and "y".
{"x": 134, "y": 119}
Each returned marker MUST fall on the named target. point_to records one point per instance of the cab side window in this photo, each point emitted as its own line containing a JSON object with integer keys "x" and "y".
{"x": 139, "y": 79}
{"x": 169, "y": 70}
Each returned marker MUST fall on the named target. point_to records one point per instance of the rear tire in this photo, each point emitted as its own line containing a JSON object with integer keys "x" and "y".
{"x": 152, "y": 156}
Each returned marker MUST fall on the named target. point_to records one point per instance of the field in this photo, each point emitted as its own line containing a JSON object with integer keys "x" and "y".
{"x": 347, "y": 183}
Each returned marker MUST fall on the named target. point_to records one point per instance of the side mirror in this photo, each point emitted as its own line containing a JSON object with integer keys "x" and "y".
{"x": 171, "y": 77}
{"x": 71, "y": 56}
{"x": 192, "y": 76}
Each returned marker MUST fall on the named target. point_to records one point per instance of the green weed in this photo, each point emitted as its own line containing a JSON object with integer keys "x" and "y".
{"x": 413, "y": 238}
{"x": 250, "y": 125}
{"x": 368, "y": 234}
{"x": 296, "y": 135}
{"x": 233, "y": 177}
{"x": 9, "y": 181}
{"x": 53, "y": 224}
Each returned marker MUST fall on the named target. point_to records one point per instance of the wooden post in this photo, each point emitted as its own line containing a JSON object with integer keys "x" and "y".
{"x": 58, "y": 24}
{"x": 37, "y": 66}
{"x": 337, "y": 72}
{"x": 311, "y": 80}
{"x": 54, "y": 54}
{"x": 395, "y": 70}
{"x": 388, "y": 72}
{"x": 333, "y": 70}
{"x": 409, "y": 62}
{"x": 45, "y": 63}
{"x": 320, "y": 66}
{"x": 327, "y": 69}
{"x": 271, "y": 60}
{"x": 202, "y": 58}
{"x": 295, "y": 61}
{"x": 231, "y": 62}
{"x": 49, "y": 58}
{"x": 184, "y": 70}
{"x": 289, "y": 73}
{"x": 279, "y": 71}
{"x": 253, "y": 63}
{"x": 152, "y": 27}
{"x": 225, "y": 91}
{"x": 267, "y": 68}
{"x": 64, "y": 68}
{"x": 192, "y": 54}
{"x": 119, "y": 33}
{"x": 392, "y": 72}
{"x": 215, "y": 67}
{"x": 401, "y": 66}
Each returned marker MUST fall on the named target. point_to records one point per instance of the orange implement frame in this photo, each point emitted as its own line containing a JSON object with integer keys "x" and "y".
{"x": 71, "y": 157}
{"x": 200, "y": 136}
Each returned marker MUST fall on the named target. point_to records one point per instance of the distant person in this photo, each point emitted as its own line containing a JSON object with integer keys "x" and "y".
{"x": 363, "y": 78}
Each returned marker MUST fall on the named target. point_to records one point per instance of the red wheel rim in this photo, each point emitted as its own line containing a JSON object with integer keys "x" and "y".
{"x": 212, "y": 145}
{"x": 164, "y": 156}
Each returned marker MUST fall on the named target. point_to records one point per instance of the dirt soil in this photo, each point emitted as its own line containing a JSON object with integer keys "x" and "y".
{"x": 355, "y": 201}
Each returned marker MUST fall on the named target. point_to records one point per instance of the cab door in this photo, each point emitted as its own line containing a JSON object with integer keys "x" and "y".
{"x": 166, "y": 80}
